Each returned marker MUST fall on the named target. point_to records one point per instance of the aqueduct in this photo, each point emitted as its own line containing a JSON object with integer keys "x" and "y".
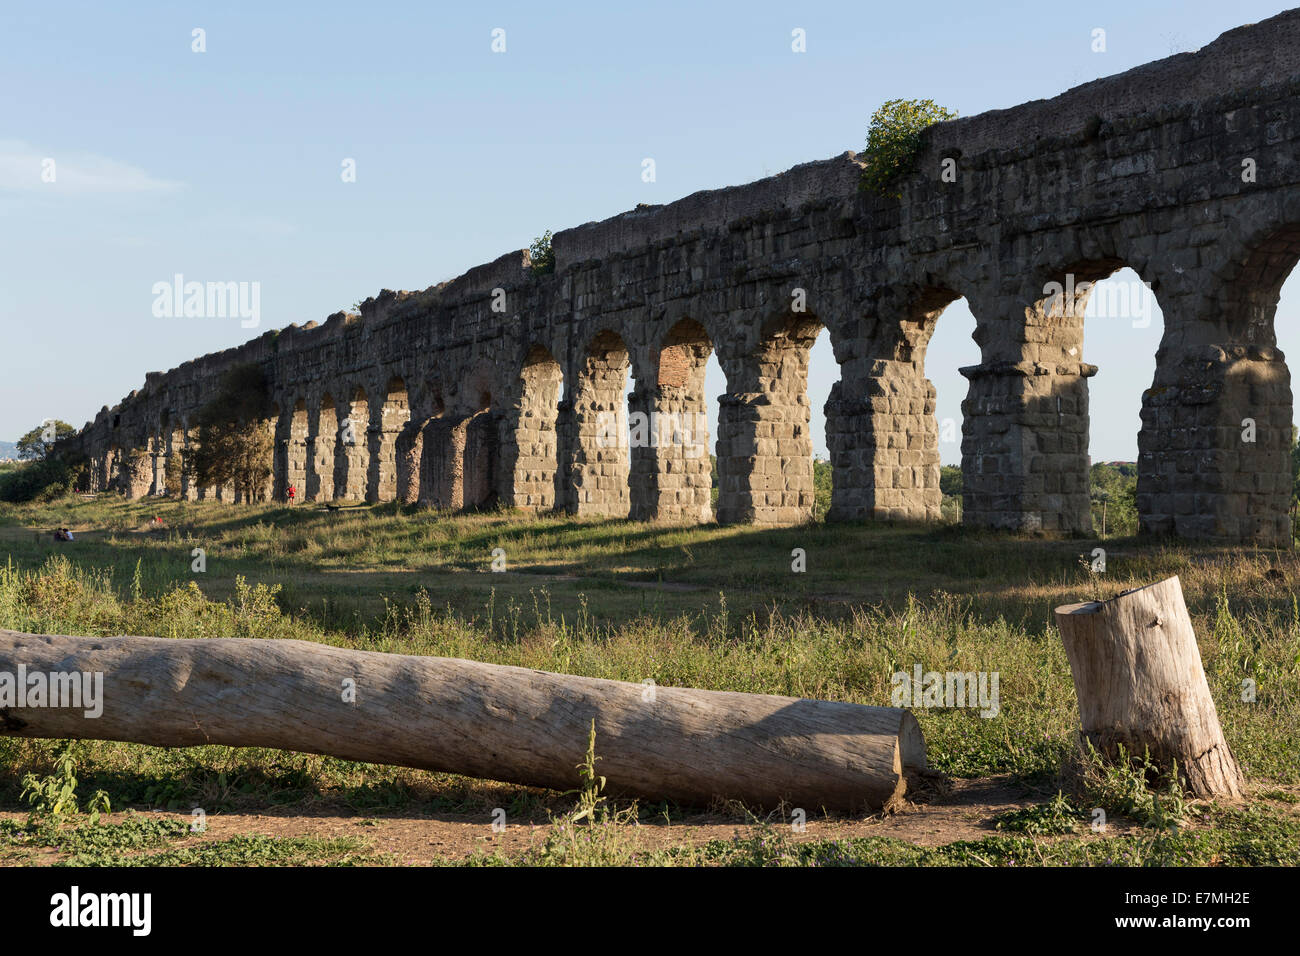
{"x": 1185, "y": 170}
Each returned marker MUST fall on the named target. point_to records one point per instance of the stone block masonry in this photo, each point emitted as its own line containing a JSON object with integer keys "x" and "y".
{"x": 1186, "y": 170}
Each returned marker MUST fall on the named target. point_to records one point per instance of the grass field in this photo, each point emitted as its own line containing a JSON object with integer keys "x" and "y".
{"x": 710, "y": 607}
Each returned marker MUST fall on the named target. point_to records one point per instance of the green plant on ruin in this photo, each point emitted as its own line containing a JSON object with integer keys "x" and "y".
{"x": 233, "y": 438}
{"x": 894, "y": 140}
{"x": 541, "y": 255}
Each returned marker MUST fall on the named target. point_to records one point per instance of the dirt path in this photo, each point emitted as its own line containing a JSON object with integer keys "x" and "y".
{"x": 965, "y": 812}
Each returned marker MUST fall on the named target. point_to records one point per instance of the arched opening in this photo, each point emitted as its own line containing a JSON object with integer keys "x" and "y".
{"x": 886, "y": 433}
{"x": 1254, "y": 488}
{"x": 598, "y": 474}
{"x": 352, "y": 462}
{"x": 1122, "y": 327}
{"x": 394, "y": 413}
{"x": 823, "y": 373}
{"x": 1057, "y": 476}
{"x": 670, "y": 439}
{"x": 765, "y": 443}
{"x": 1286, "y": 330}
{"x": 411, "y": 482}
{"x": 296, "y": 452}
{"x": 320, "y": 479}
{"x": 275, "y": 461}
{"x": 440, "y": 458}
{"x": 536, "y": 446}
{"x": 715, "y": 387}
{"x": 942, "y": 343}
{"x": 479, "y": 437}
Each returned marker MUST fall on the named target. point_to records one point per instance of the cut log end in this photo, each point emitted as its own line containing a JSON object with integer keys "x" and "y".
{"x": 913, "y": 769}
{"x": 911, "y": 744}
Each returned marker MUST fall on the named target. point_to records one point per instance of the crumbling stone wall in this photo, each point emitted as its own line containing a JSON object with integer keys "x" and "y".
{"x": 1186, "y": 170}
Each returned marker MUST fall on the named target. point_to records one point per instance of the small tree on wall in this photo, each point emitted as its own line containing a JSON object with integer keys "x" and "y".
{"x": 894, "y": 139}
{"x": 541, "y": 255}
{"x": 233, "y": 442}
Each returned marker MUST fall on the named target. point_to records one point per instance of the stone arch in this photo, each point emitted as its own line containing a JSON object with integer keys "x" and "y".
{"x": 271, "y": 425}
{"x": 322, "y": 442}
{"x": 671, "y": 473}
{"x": 460, "y": 445}
{"x": 765, "y": 447}
{"x": 597, "y": 482}
{"x": 918, "y": 433}
{"x": 352, "y": 455}
{"x": 1251, "y": 285}
{"x": 438, "y": 404}
{"x": 1056, "y": 476}
{"x": 532, "y": 460}
{"x": 291, "y": 450}
{"x": 425, "y": 404}
{"x": 1025, "y": 462}
{"x": 682, "y": 354}
{"x": 1214, "y": 450}
{"x": 882, "y": 431}
{"x": 389, "y": 419}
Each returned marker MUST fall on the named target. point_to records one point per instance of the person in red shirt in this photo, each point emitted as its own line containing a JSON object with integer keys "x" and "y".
{"x": 291, "y": 494}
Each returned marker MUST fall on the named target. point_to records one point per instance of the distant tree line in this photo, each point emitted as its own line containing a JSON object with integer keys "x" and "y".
{"x": 231, "y": 445}
{"x": 44, "y": 471}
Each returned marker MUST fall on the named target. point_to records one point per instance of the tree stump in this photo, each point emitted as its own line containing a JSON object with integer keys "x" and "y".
{"x": 1140, "y": 683}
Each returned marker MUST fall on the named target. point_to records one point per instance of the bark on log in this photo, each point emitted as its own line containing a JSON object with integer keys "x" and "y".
{"x": 481, "y": 720}
{"x": 1138, "y": 675}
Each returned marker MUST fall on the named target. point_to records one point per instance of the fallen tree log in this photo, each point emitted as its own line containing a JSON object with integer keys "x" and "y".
{"x": 1140, "y": 683}
{"x": 481, "y": 720}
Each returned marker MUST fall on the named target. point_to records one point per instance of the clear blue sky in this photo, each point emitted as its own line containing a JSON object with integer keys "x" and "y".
{"x": 225, "y": 165}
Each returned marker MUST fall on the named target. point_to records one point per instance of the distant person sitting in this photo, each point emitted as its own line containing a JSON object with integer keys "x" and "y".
{"x": 63, "y": 534}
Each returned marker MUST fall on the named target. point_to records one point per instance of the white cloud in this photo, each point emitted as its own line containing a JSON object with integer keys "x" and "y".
{"x": 22, "y": 166}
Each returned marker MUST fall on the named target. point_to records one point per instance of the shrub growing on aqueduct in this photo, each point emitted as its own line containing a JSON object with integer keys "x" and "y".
{"x": 541, "y": 255}
{"x": 894, "y": 139}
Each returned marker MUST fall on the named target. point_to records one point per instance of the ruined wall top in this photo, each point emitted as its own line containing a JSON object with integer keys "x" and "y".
{"x": 1242, "y": 59}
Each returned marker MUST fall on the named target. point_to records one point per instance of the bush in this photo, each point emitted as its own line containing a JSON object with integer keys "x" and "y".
{"x": 894, "y": 139}
{"x": 542, "y": 255}
{"x": 42, "y": 480}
